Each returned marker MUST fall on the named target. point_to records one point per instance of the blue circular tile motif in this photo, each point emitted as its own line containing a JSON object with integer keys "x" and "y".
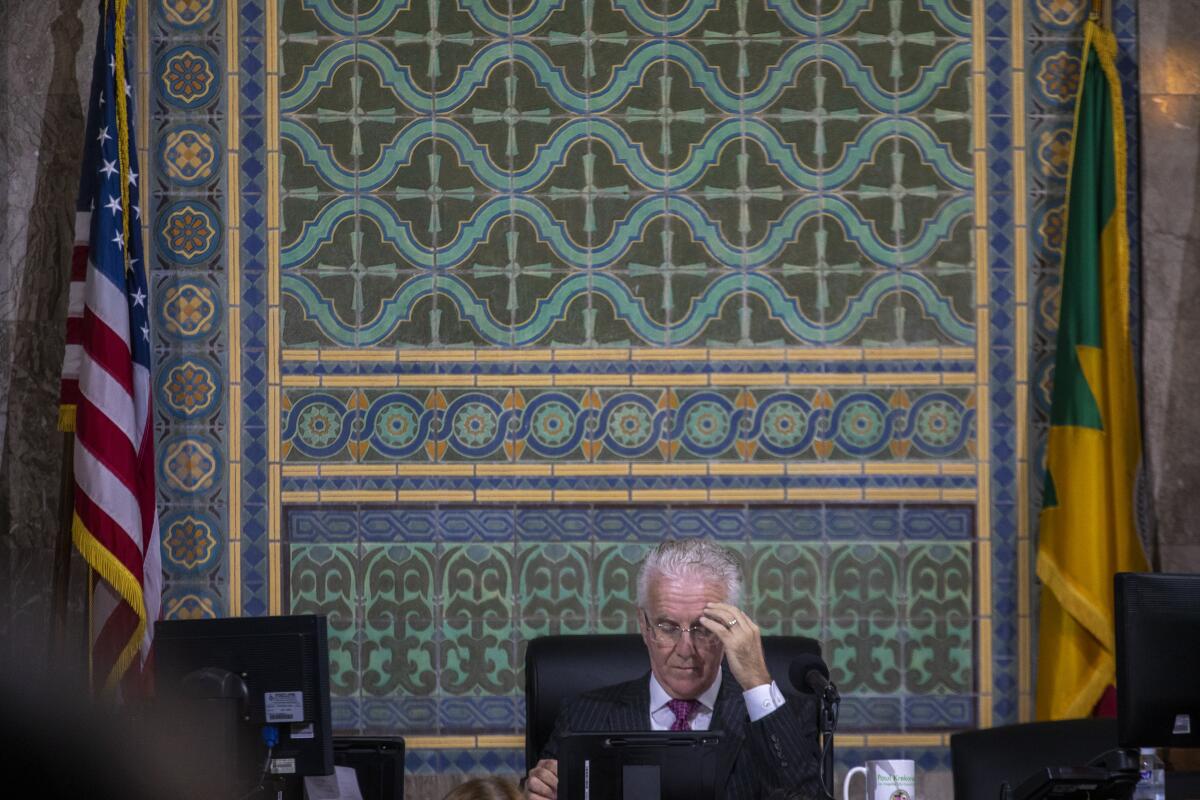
{"x": 189, "y": 154}
{"x": 189, "y": 387}
{"x": 188, "y": 76}
{"x": 1056, "y": 77}
{"x": 187, "y": 231}
{"x": 187, "y": 309}
{"x": 189, "y": 464}
{"x": 188, "y": 601}
{"x": 188, "y": 15}
{"x": 191, "y": 543}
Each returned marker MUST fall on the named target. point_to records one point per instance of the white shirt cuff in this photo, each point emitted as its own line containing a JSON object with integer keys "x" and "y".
{"x": 762, "y": 700}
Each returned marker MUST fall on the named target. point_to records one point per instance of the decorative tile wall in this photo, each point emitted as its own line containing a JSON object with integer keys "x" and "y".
{"x": 183, "y": 73}
{"x": 463, "y": 305}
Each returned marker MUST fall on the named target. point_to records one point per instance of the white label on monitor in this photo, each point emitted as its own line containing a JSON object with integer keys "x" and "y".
{"x": 587, "y": 779}
{"x": 283, "y": 766}
{"x": 1183, "y": 724}
{"x": 303, "y": 730}
{"x": 284, "y": 706}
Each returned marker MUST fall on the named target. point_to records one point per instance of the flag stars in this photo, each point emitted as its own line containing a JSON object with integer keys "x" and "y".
{"x": 132, "y": 178}
{"x": 137, "y": 212}
{"x": 103, "y": 136}
{"x": 113, "y": 205}
{"x": 119, "y": 241}
{"x": 128, "y": 89}
{"x": 145, "y": 332}
{"x": 139, "y": 297}
{"x": 110, "y": 167}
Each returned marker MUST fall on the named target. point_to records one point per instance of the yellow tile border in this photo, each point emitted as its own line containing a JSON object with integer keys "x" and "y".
{"x": 442, "y": 742}
{"x": 615, "y": 469}
{"x": 620, "y": 469}
{"x": 274, "y": 433}
{"x": 982, "y": 346}
{"x": 667, "y": 468}
{"x": 517, "y": 742}
{"x": 1020, "y": 156}
{"x": 663, "y": 380}
{"x": 501, "y": 741}
{"x": 784, "y": 354}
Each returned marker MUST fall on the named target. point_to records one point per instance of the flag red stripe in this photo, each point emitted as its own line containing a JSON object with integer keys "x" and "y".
{"x": 79, "y": 262}
{"x": 108, "y": 533}
{"x": 69, "y": 392}
{"x": 107, "y": 443}
{"x": 107, "y": 349}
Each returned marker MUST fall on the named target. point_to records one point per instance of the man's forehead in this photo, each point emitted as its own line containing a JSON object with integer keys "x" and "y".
{"x": 672, "y": 593}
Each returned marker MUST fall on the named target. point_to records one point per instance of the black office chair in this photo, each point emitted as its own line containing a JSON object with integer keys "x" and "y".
{"x": 559, "y": 667}
{"x": 378, "y": 763}
{"x": 982, "y": 760}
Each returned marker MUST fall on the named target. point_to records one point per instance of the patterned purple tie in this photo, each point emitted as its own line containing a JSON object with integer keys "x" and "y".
{"x": 682, "y": 709}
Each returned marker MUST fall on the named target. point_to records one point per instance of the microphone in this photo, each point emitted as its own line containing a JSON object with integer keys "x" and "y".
{"x": 809, "y": 675}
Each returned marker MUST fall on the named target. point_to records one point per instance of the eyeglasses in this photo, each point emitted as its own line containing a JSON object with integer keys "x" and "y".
{"x": 665, "y": 633}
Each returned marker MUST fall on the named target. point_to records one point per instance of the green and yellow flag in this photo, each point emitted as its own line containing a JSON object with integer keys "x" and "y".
{"x": 1088, "y": 531}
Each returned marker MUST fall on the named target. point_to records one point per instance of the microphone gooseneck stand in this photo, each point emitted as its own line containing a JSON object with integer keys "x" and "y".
{"x": 827, "y": 719}
{"x": 810, "y": 675}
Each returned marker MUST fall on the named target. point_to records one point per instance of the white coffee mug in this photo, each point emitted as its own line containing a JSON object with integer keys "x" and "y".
{"x": 894, "y": 779}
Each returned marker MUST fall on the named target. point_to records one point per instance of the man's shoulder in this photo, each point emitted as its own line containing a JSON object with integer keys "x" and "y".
{"x": 612, "y": 694}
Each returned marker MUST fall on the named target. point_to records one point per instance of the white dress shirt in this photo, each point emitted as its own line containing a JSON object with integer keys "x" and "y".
{"x": 760, "y": 701}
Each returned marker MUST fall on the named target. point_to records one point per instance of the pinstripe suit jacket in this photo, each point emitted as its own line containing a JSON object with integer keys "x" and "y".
{"x": 778, "y": 752}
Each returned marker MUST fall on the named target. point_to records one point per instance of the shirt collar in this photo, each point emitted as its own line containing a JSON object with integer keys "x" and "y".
{"x": 707, "y": 698}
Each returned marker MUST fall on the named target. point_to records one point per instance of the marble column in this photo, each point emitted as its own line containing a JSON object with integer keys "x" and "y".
{"x": 44, "y": 72}
{"x": 1169, "y": 45}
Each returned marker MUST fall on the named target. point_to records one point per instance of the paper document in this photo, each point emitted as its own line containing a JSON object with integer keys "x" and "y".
{"x": 341, "y": 785}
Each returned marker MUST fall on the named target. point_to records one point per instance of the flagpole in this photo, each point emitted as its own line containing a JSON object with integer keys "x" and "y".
{"x": 61, "y": 576}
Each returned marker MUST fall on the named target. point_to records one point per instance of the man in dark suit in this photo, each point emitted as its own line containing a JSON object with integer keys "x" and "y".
{"x": 687, "y": 595}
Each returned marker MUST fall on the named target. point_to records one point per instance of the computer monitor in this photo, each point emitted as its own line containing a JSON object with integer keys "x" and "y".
{"x": 642, "y": 765}
{"x": 1158, "y": 659}
{"x": 236, "y": 676}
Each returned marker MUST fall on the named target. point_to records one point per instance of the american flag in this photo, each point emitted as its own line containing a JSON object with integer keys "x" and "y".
{"x": 105, "y": 395}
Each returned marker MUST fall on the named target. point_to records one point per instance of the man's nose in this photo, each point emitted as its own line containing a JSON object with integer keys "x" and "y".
{"x": 686, "y": 645}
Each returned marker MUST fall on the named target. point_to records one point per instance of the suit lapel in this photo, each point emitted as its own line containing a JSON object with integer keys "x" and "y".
{"x": 729, "y": 717}
{"x": 631, "y": 711}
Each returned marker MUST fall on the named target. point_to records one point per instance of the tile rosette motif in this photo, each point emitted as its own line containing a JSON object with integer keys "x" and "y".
{"x": 187, "y": 15}
{"x": 188, "y": 309}
{"x": 189, "y": 387}
{"x": 190, "y": 544}
{"x": 189, "y": 76}
{"x": 189, "y": 232}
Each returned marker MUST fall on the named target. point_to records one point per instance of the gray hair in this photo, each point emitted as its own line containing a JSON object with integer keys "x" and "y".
{"x": 691, "y": 558}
